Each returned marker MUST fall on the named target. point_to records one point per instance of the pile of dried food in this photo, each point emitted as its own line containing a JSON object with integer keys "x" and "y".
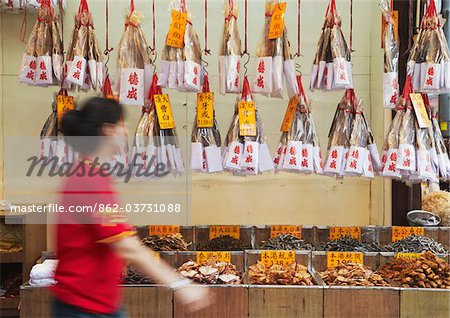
{"x": 134, "y": 277}
{"x": 416, "y": 244}
{"x": 286, "y": 242}
{"x": 211, "y": 273}
{"x": 293, "y": 274}
{"x": 171, "y": 242}
{"x": 350, "y": 244}
{"x": 353, "y": 275}
{"x": 428, "y": 271}
{"x": 11, "y": 238}
{"x": 223, "y": 243}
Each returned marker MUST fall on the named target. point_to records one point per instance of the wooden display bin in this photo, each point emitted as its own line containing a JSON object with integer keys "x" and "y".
{"x": 424, "y": 302}
{"x": 386, "y": 234}
{"x": 262, "y": 233}
{"x": 444, "y": 237}
{"x": 369, "y": 234}
{"x": 202, "y": 235}
{"x": 284, "y": 301}
{"x": 186, "y": 231}
{"x": 347, "y": 301}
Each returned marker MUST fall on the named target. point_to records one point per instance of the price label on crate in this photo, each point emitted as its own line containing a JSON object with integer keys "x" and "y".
{"x": 294, "y": 230}
{"x": 272, "y": 257}
{"x": 336, "y": 258}
{"x": 289, "y": 115}
{"x": 175, "y": 36}
{"x": 222, "y": 230}
{"x": 276, "y": 25}
{"x": 336, "y": 232}
{"x": 64, "y": 104}
{"x": 401, "y": 232}
{"x": 206, "y": 257}
{"x": 156, "y": 255}
{"x": 205, "y": 110}
{"x": 408, "y": 255}
{"x": 164, "y": 111}
{"x": 162, "y": 230}
{"x": 247, "y": 118}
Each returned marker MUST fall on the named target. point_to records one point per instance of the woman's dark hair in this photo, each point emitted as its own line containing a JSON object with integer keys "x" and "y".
{"x": 81, "y": 128}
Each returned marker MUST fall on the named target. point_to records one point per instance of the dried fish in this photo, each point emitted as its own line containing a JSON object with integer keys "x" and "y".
{"x": 223, "y": 243}
{"x": 213, "y": 272}
{"x": 134, "y": 277}
{"x": 286, "y": 242}
{"x": 416, "y": 244}
{"x": 353, "y": 275}
{"x": 172, "y": 242}
{"x": 349, "y": 244}
{"x": 293, "y": 274}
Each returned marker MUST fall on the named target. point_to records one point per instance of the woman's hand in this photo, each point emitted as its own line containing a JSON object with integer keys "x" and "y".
{"x": 194, "y": 297}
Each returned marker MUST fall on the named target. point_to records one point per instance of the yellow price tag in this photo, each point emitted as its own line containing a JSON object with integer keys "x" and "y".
{"x": 337, "y": 258}
{"x": 272, "y": 257}
{"x": 205, "y": 110}
{"x": 247, "y": 118}
{"x": 408, "y": 255}
{"x": 222, "y": 230}
{"x": 336, "y": 232}
{"x": 289, "y": 115}
{"x": 401, "y": 232}
{"x": 175, "y": 36}
{"x": 64, "y": 104}
{"x": 294, "y": 230}
{"x": 444, "y": 126}
{"x": 206, "y": 257}
{"x": 421, "y": 112}
{"x": 162, "y": 230}
{"x": 276, "y": 26}
{"x": 164, "y": 111}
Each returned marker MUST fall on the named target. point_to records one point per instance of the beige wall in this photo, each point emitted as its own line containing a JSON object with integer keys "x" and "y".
{"x": 269, "y": 198}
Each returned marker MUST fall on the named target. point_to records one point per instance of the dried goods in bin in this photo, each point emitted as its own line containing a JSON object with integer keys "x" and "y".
{"x": 285, "y": 242}
{"x": 299, "y": 147}
{"x": 438, "y": 203}
{"x": 246, "y": 151}
{"x": 353, "y": 275}
{"x": 429, "y": 58}
{"x": 275, "y": 62}
{"x": 293, "y": 274}
{"x": 223, "y": 243}
{"x": 134, "y": 277}
{"x": 181, "y": 67}
{"x": 332, "y": 69}
{"x": 416, "y": 244}
{"x": 171, "y": 242}
{"x": 84, "y": 61}
{"x": 206, "y": 153}
{"x": 134, "y": 62}
{"x": 427, "y": 271}
{"x": 43, "y": 57}
{"x": 230, "y": 52}
{"x": 211, "y": 273}
{"x": 391, "y": 54}
{"x": 11, "y": 238}
{"x": 349, "y": 244}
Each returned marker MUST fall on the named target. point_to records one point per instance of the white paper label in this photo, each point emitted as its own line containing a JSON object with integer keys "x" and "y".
{"x": 234, "y": 154}
{"x": 192, "y": 72}
{"x": 250, "y": 155}
{"x": 355, "y": 161}
{"x": 28, "y": 69}
{"x": 307, "y": 158}
{"x": 77, "y": 71}
{"x": 196, "y": 156}
{"x": 213, "y": 159}
{"x": 263, "y": 78}
{"x": 390, "y": 90}
{"x": 44, "y": 71}
{"x": 293, "y": 159}
{"x": 291, "y": 80}
{"x": 334, "y": 160}
{"x": 265, "y": 160}
{"x": 406, "y": 157}
{"x": 390, "y": 169}
{"x": 132, "y": 86}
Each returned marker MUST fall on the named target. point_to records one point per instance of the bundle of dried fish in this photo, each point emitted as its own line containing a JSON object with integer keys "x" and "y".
{"x": 223, "y": 243}
{"x": 293, "y": 274}
{"x": 390, "y": 147}
{"x": 349, "y": 244}
{"x": 181, "y": 67}
{"x": 332, "y": 69}
{"x": 42, "y": 60}
{"x": 172, "y": 242}
{"x": 416, "y": 244}
{"x": 246, "y": 148}
{"x": 299, "y": 148}
{"x": 211, "y": 273}
{"x": 134, "y": 61}
{"x": 206, "y": 155}
{"x": 285, "y": 242}
{"x": 274, "y": 58}
{"x": 439, "y": 158}
{"x": 428, "y": 271}
{"x": 429, "y": 58}
{"x": 84, "y": 61}
{"x": 230, "y": 51}
{"x": 353, "y": 275}
{"x": 134, "y": 277}
{"x": 156, "y": 151}
{"x": 391, "y": 47}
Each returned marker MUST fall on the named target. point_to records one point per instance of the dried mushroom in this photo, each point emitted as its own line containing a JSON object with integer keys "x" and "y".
{"x": 211, "y": 273}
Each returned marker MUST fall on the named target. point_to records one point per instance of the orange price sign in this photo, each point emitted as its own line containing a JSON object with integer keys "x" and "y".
{"x": 64, "y": 104}
{"x": 276, "y": 26}
{"x": 222, "y": 230}
{"x": 408, "y": 255}
{"x": 205, "y": 110}
{"x": 175, "y": 36}
{"x": 336, "y": 232}
{"x": 163, "y": 230}
{"x": 164, "y": 111}
{"x": 289, "y": 115}
{"x": 272, "y": 257}
{"x": 337, "y": 258}
{"x": 294, "y": 230}
{"x": 401, "y": 232}
{"x": 247, "y": 118}
{"x": 206, "y": 257}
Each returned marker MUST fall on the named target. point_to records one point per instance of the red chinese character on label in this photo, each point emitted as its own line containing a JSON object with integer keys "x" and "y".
{"x": 276, "y": 160}
{"x": 343, "y": 76}
{"x": 132, "y": 93}
{"x": 430, "y": 81}
{"x": 333, "y": 164}
{"x": 355, "y": 154}
{"x": 305, "y": 163}
{"x": 30, "y": 75}
{"x": 334, "y": 154}
{"x": 292, "y": 151}
{"x": 236, "y": 82}
{"x": 77, "y": 75}
{"x": 393, "y": 157}
{"x": 430, "y": 71}
{"x": 237, "y": 150}
{"x": 384, "y": 159}
{"x": 42, "y": 65}
{"x": 407, "y": 152}
{"x": 43, "y": 76}
{"x": 79, "y": 65}
{"x": 279, "y": 151}
{"x": 393, "y": 99}
{"x": 194, "y": 81}
{"x": 260, "y": 81}
{"x": 32, "y": 65}
{"x": 261, "y": 67}
{"x": 238, "y": 66}
{"x": 305, "y": 152}
{"x": 353, "y": 164}
{"x": 249, "y": 149}
{"x": 195, "y": 70}
{"x": 391, "y": 167}
{"x": 133, "y": 79}
{"x": 249, "y": 159}
{"x": 234, "y": 160}
{"x": 407, "y": 163}
{"x": 293, "y": 161}
{"x": 395, "y": 84}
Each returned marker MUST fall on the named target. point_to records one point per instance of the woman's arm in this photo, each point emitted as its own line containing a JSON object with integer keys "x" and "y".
{"x": 131, "y": 249}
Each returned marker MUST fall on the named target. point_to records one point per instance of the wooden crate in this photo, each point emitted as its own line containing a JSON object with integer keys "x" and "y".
{"x": 35, "y": 302}
{"x": 148, "y": 301}
{"x": 186, "y": 231}
{"x": 444, "y": 237}
{"x": 262, "y": 233}
{"x": 230, "y": 301}
{"x": 386, "y": 234}
{"x": 201, "y": 235}
{"x": 418, "y": 303}
{"x": 369, "y": 234}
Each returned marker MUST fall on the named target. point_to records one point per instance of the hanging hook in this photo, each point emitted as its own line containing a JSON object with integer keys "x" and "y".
{"x": 298, "y": 68}
{"x": 245, "y": 64}
{"x": 206, "y": 64}
{"x": 153, "y": 61}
